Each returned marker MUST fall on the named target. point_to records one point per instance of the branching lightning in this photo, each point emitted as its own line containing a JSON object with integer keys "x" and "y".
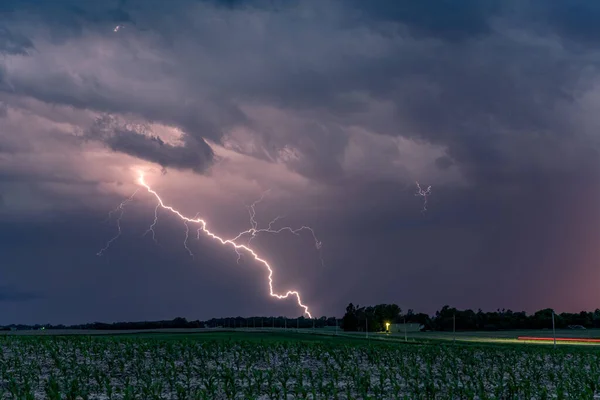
{"x": 187, "y": 236}
{"x": 240, "y": 249}
{"x": 425, "y": 194}
{"x": 255, "y": 230}
{"x": 120, "y": 209}
{"x": 252, "y": 209}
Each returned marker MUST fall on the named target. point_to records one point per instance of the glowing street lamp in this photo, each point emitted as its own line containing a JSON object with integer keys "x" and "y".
{"x": 387, "y": 327}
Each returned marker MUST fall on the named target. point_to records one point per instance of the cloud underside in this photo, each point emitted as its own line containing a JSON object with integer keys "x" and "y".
{"x": 494, "y": 97}
{"x": 194, "y": 154}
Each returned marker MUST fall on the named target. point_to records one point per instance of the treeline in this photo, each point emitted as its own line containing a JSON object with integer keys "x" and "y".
{"x": 182, "y": 323}
{"x": 373, "y": 318}
{"x": 507, "y": 319}
{"x": 140, "y": 325}
{"x": 272, "y": 322}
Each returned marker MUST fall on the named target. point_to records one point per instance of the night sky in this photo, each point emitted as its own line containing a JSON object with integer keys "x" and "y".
{"x": 337, "y": 107}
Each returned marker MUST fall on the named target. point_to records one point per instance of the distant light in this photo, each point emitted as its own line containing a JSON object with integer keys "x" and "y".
{"x": 387, "y": 326}
{"x": 117, "y": 28}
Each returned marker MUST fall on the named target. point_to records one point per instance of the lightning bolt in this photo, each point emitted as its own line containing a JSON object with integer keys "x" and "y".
{"x": 240, "y": 249}
{"x": 120, "y": 209}
{"x": 425, "y": 194}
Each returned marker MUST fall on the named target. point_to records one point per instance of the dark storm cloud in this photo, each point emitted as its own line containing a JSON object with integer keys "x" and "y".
{"x": 195, "y": 154}
{"x": 445, "y": 20}
{"x": 457, "y": 93}
{"x": 574, "y": 20}
{"x": 508, "y": 91}
{"x": 195, "y": 157}
{"x": 11, "y": 43}
{"x": 497, "y": 107}
{"x": 71, "y": 15}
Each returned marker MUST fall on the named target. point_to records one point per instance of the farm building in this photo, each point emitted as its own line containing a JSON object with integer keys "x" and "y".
{"x": 401, "y": 328}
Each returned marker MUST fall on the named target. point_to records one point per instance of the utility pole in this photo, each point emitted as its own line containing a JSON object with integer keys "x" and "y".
{"x": 553, "y": 330}
{"x": 454, "y": 327}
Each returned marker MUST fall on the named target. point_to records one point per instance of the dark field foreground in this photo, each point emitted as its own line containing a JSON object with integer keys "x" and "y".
{"x": 227, "y": 365}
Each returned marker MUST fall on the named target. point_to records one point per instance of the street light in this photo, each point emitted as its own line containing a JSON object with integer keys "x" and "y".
{"x": 387, "y": 327}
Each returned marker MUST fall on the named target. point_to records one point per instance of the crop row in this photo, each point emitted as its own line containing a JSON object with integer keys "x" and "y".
{"x": 101, "y": 368}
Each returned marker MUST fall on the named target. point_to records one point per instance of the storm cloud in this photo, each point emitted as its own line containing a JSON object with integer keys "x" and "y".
{"x": 338, "y": 108}
{"x": 139, "y": 142}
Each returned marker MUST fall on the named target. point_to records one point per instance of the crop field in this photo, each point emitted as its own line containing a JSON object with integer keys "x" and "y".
{"x": 287, "y": 366}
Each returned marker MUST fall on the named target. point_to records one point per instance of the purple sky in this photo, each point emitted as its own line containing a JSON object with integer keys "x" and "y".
{"x": 337, "y": 108}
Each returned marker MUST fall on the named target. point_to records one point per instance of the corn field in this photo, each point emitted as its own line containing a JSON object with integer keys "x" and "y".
{"x": 78, "y": 367}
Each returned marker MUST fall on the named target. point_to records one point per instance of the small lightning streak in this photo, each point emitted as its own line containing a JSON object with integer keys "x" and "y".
{"x": 239, "y": 248}
{"x": 425, "y": 194}
{"x": 120, "y": 209}
{"x": 252, "y": 210}
{"x": 187, "y": 236}
{"x": 151, "y": 228}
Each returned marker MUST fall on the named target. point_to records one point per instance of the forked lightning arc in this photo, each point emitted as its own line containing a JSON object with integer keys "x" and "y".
{"x": 424, "y": 193}
{"x": 238, "y": 248}
{"x": 120, "y": 209}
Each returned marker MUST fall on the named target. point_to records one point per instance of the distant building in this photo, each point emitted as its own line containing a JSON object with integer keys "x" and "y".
{"x": 408, "y": 328}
